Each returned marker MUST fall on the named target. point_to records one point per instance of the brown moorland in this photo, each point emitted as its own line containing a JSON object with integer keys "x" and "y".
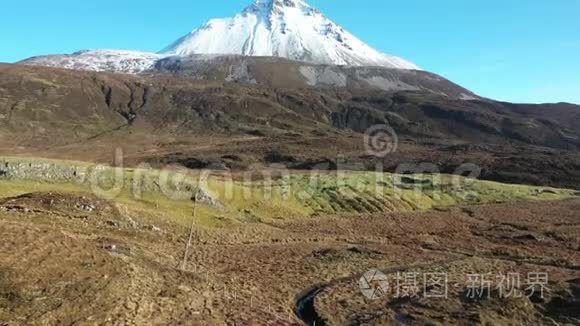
{"x": 63, "y": 262}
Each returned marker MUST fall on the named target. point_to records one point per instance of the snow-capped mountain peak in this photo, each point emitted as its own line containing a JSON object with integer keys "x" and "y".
{"x": 290, "y": 29}
{"x": 276, "y": 5}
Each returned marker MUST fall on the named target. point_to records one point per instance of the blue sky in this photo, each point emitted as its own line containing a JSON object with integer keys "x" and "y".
{"x": 513, "y": 50}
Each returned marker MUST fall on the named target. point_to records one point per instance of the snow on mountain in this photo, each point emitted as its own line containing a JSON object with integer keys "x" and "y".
{"x": 289, "y": 29}
{"x": 283, "y": 28}
{"x": 132, "y": 62}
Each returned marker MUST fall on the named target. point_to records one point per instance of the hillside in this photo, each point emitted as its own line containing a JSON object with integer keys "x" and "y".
{"x": 85, "y": 115}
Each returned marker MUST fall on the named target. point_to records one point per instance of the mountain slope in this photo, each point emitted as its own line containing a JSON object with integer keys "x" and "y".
{"x": 266, "y": 71}
{"x": 99, "y": 60}
{"x": 283, "y": 28}
{"x": 47, "y": 112}
{"x": 279, "y": 72}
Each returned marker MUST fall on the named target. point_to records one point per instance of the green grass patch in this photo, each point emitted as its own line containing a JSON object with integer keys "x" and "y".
{"x": 166, "y": 194}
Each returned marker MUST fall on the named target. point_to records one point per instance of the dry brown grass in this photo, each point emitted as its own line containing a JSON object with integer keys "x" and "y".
{"x": 63, "y": 268}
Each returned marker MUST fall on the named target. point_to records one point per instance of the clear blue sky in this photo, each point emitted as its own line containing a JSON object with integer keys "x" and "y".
{"x": 516, "y": 50}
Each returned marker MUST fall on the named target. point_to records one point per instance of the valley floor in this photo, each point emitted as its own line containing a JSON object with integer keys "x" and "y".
{"x": 75, "y": 259}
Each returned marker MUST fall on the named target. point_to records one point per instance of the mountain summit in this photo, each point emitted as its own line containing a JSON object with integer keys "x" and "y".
{"x": 283, "y": 28}
{"x": 288, "y": 29}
